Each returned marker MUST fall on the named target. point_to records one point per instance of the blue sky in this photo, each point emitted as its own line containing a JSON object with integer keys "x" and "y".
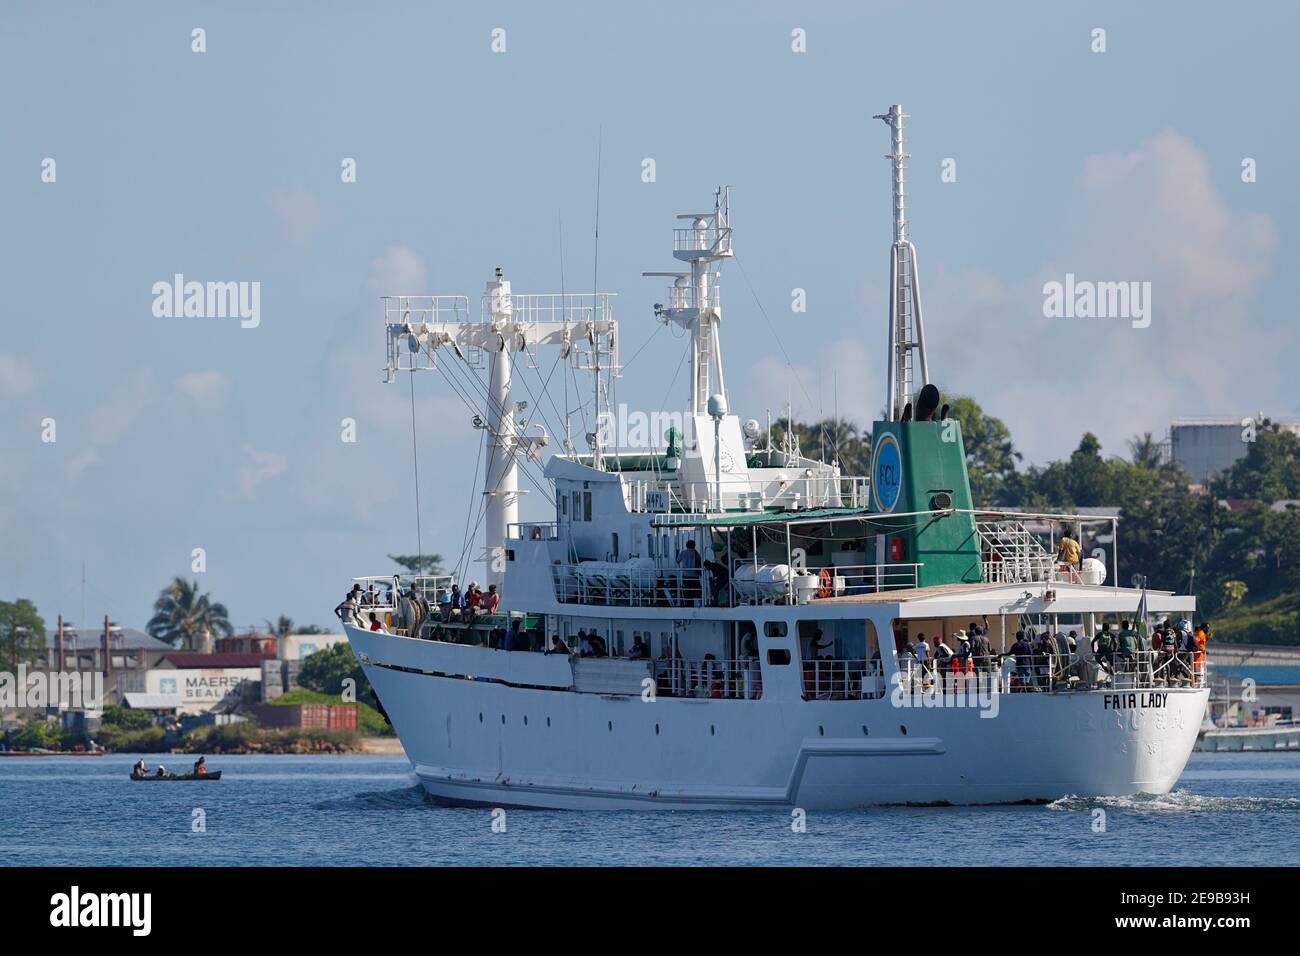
{"x": 175, "y": 434}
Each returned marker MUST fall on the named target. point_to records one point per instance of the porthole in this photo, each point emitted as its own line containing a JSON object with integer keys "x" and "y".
{"x": 903, "y": 728}
{"x": 611, "y": 726}
{"x": 548, "y": 721}
{"x": 865, "y": 732}
{"x": 712, "y": 731}
{"x": 503, "y": 719}
{"x": 656, "y": 730}
{"x": 480, "y": 716}
{"x": 525, "y": 720}
{"x": 821, "y": 731}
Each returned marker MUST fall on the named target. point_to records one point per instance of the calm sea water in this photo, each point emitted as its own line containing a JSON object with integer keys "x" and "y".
{"x": 1239, "y": 809}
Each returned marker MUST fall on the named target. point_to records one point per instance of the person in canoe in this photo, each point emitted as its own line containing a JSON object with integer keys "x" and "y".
{"x": 139, "y": 770}
{"x": 199, "y": 767}
{"x": 162, "y": 771}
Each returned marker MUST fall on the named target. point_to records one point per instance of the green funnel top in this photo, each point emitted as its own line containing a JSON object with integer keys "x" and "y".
{"x": 919, "y": 467}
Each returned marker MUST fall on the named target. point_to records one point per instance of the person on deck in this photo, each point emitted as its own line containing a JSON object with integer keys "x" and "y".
{"x": 1127, "y": 645}
{"x": 688, "y": 559}
{"x": 1045, "y": 660}
{"x": 139, "y": 770}
{"x": 962, "y": 664}
{"x": 921, "y": 651}
{"x": 472, "y": 598}
{"x": 347, "y": 608}
{"x": 1068, "y": 551}
{"x": 1023, "y": 652}
{"x": 457, "y": 603}
{"x": 374, "y": 622}
{"x": 488, "y": 602}
{"x": 942, "y": 660}
{"x": 1103, "y": 648}
{"x": 1199, "y": 641}
{"x": 640, "y": 649}
{"x": 200, "y": 767}
{"x": 514, "y": 641}
{"x": 982, "y": 651}
{"x": 719, "y": 578}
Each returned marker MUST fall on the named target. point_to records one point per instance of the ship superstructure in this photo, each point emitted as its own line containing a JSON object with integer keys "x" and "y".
{"x": 719, "y": 620}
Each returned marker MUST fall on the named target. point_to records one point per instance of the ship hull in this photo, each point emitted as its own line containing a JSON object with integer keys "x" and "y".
{"x": 488, "y": 742}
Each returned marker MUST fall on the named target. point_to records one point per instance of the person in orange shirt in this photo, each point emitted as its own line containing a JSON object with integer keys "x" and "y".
{"x": 1201, "y": 637}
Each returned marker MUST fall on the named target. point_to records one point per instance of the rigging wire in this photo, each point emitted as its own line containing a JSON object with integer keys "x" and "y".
{"x": 415, "y": 458}
{"x": 771, "y": 328}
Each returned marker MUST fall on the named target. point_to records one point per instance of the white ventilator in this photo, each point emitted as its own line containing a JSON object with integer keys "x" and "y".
{"x": 906, "y": 328}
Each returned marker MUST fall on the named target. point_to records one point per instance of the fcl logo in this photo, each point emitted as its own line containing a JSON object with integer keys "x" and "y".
{"x": 887, "y": 472}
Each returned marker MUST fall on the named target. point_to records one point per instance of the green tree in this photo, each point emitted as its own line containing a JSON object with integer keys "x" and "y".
{"x": 327, "y": 669}
{"x": 1145, "y": 450}
{"x": 124, "y": 718}
{"x": 22, "y": 634}
{"x": 1270, "y": 470}
{"x": 990, "y": 454}
{"x": 1234, "y": 592}
{"x": 419, "y": 564}
{"x": 182, "y": 615}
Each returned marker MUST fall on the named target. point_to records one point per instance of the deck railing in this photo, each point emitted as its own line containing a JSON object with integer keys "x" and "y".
{"x": 739, "y": 679}
{"x": 828, "y": 679}
{"x": 1041, "y": 672}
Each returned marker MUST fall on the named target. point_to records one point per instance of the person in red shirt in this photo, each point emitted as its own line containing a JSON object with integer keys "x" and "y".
{"x": 488, "y": 602}
{"x": 374, "y": 622}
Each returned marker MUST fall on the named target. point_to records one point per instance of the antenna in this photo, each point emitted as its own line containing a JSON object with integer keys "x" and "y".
{"x": 906, "y": 329}
{"x": 597, "y": 456}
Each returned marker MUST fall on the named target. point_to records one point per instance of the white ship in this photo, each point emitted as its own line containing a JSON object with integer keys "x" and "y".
{"x": 773, "y": 677}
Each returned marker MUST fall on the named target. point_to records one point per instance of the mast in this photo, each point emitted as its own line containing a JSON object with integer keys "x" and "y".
{"x": 500, "y": 468}
{"x": 582, "y": 327}
{"x": 694, "y": 300}
{"x": 906, "y": 329}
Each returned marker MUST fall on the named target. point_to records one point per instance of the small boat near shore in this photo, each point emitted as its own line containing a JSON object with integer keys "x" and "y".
{"x": 214, "y": 775}
{"x": 52, "y": 753}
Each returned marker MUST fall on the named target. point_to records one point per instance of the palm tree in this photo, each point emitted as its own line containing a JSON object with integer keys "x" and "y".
{"x": 283, "y": 627}
{"x": 182, "y": 615}
{"x": 1146, "y": 451}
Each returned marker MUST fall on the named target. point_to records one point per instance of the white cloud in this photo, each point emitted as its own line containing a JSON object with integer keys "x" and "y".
{"x": 300, "y": 212}
{"x": 1150, "y": 215}
{"x": 16, "y": 377}
{"x": 261, "y": 466}
{"x": 209, "y": 388}
{"x": 399, "y": 271}
{"x": 843, "y": 377}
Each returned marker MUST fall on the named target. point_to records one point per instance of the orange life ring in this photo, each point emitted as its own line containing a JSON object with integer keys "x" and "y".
{"x": 824, "y": 584}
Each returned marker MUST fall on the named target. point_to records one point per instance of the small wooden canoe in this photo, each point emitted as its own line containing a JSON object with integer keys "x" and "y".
{"x": 210, "y": 775}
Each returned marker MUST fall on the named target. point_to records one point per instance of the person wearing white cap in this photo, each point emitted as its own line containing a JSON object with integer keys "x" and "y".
{"x": 963, "y": 654}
